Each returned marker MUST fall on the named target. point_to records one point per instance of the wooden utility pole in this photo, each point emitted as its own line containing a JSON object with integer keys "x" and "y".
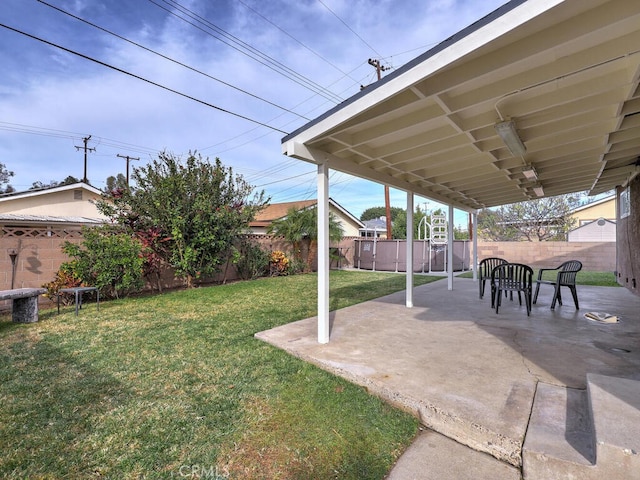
{"x": 387, "y": 206}
{"x": 128, "y": 158}
{"x": 86, "y": 150}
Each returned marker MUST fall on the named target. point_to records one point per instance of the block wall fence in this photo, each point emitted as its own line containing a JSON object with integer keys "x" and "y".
{"x": 39, "y": 258}
{"x": 595, "y": 256}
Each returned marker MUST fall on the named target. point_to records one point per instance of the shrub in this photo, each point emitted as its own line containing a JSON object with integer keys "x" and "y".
{"x": 199, "y": 206}
{"x": 252, "y": 261}
{"x": 108, "y": 259}
{"x": 66, "y": 277}
{"x": 152, "y": 241}
{"x": 297, "y": 266}
{"x": 278, "y": 263}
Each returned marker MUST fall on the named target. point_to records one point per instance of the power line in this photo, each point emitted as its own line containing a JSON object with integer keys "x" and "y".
{"x": 283, "y": 179}
{"x": 169, "y": 58}
{"x": 295, "y": 39}
{"x": 203, "y": 73}
{"x": 49, "y": 132}
{"x": 246, "y": 49}
{"x": 46, "y": 132}
{"x": 142, "y": 78}
{"x": 350, "y": 29}
{"x": 244, "y": 45}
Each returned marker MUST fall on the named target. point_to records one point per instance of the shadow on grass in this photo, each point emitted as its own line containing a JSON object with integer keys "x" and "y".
{"x": 364, "y": 291}
{"x": 49, "y": 403}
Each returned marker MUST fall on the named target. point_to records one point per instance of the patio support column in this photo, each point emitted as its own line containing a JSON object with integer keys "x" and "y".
{"x": 450, "y": 250}
{"x": 323, "y": 253}
{"x": 409, "y": 254}
{"x": 474, "y": 232}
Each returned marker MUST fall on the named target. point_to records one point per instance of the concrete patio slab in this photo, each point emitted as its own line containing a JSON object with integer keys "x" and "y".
{"x": 465, "y": 371}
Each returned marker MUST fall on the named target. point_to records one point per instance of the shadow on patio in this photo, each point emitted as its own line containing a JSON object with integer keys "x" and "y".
{"x": 467, "y": 372}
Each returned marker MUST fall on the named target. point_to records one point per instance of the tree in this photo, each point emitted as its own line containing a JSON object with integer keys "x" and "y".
{"x": 399, "y": 229}
{"x": 492, "y": 227}
{"x": 5, "y": 178}
{"x": 299, "y": 227}
{"x": 116, "y": 183}
{"x": 460, "y": 234}
{"x": 380, "y": 212}
{"x": 542, "y": 219}
{"x": 198, "y": 207}
{"x": 70, "y": 180}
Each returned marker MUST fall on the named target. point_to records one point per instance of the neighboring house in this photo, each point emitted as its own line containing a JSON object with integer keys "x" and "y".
{"x": 603, "y": 208}
{"x": 595, "y": 221}
{"x": 45, "y": 211}
{"x": 376, "y": 227}
{"x": 276, "y": 211}
{"x": 601, "y": 230}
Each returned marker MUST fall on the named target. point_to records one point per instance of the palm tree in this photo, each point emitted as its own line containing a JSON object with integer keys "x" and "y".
{"x": 300, "y": 226}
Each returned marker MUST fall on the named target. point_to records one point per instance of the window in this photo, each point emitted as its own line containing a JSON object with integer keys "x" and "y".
{"x": 625, "y": 203}
{"x": 77, "y": 194}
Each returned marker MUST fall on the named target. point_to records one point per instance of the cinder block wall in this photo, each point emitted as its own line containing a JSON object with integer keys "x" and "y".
{"x": 39, "y": 258}
{"x": 595, "y": 256}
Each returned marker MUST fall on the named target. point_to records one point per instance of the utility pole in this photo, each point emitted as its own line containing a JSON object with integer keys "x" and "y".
{"x": 86, "y": 149}
{"x": 128, "y": 158}
{"x": 387, "y": 206}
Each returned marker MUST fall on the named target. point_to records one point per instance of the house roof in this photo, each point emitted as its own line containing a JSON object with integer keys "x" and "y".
{"x": 610, "y": 198}
{"x": 375, "y": 224}
{"x": 566, "y": 72}
{"x": 47, "y": 219}
{"x": 276, "y": 211}
{"x": 600, "y": 222}
{"x": 47, "y": 190}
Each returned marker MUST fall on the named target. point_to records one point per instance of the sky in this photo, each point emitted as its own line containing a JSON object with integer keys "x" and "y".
{"x": 224, "y": 78}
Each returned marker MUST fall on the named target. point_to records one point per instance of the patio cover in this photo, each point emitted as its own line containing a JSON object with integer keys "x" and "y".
{"x": 565, "y": 71}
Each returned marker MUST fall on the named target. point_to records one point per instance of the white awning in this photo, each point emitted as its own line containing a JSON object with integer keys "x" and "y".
{"x": 565, "y": 72}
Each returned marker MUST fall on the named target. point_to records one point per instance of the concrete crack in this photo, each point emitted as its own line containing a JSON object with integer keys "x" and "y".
{"x": 523, "y": 358}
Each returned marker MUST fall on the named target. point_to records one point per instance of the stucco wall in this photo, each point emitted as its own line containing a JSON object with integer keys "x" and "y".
{"x": 602, "y": 210}
{"x": 628, "y": 234}
{"x": 60, "y": 204}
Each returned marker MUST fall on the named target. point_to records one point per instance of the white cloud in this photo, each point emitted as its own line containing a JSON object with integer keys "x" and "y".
{"x": 56, "y": 90}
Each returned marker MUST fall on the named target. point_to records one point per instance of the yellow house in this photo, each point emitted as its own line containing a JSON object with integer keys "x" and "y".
{"x": 604, "y": 208}
{"x": 595, "y": 222}
{"x": 41, "y": 211}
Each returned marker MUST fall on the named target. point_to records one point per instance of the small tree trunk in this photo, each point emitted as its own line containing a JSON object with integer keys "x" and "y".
{"x": 226, "y": 270}
{"x": 312, "y": 253}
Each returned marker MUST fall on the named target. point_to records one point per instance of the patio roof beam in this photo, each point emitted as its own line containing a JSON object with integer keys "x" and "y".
{"x": 303, "y": 152}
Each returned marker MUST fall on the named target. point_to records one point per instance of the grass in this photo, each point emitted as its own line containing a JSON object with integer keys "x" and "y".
{"x": 175, "y": 386}
{"x": 598, "y": 279}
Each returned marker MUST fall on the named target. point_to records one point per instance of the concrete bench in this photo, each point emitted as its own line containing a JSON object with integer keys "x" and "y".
{"x": 24, "y": 305}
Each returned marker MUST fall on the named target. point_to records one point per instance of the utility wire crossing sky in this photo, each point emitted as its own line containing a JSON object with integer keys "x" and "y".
{"x": 225, "y": 78}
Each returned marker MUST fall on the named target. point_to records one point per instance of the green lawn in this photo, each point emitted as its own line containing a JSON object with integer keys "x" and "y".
{"x": 599, "y": 279}
{"x": 176, "y": 386}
